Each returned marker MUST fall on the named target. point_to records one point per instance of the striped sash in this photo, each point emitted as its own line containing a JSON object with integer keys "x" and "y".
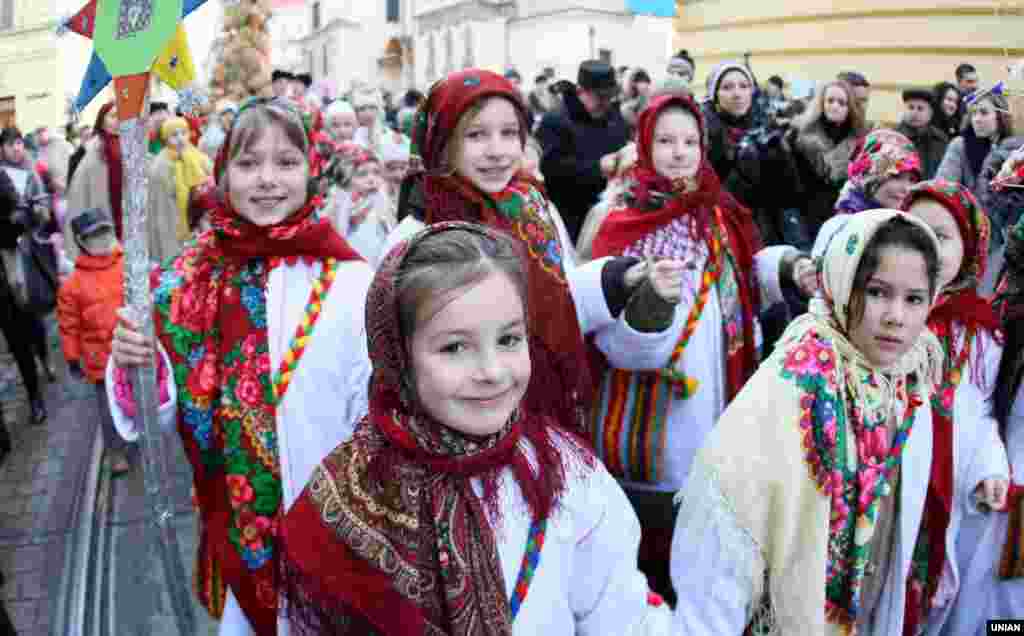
{"x": 630, "y": 417}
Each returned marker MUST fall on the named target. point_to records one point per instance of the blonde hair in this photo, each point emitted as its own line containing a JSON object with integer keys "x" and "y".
{"x": 171, "y": 126}
{"x": 855, "y": 116}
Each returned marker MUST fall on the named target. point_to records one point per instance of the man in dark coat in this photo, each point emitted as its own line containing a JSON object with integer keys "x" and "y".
{"x": 575, "y": 137}
{"x": 917, "y": 125}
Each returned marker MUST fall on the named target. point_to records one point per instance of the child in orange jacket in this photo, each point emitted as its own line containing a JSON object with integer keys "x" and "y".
{"x": 87, "y": 305}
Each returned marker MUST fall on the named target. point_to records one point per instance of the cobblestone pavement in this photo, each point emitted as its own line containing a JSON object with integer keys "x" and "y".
{"x": 40, "y": 483}
{"x": 43, "y": 500}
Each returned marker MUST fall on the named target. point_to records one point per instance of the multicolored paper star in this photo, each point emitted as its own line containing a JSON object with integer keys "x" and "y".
{"x": 131, "y": 40}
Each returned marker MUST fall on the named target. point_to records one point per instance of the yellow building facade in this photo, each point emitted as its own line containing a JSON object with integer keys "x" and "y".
{"x": 894, "y": 44}
{"x": 32, "y": 68}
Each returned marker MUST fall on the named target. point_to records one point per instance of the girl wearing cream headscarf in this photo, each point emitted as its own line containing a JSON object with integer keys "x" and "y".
{"x": 802, "y": 512}
{"x": 178, "y": 168}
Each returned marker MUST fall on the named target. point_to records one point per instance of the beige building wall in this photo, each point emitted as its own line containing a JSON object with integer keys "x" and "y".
{"x": 31, "y": 69}
{"x": 894, "y": 44}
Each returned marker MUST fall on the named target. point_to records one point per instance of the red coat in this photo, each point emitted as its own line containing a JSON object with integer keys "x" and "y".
{"x": 87, "y": 305}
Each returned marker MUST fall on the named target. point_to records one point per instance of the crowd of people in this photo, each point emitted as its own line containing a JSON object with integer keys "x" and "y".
{"x": 590, "y": 357}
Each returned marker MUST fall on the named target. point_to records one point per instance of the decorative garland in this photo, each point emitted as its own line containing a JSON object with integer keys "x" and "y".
{"x": 686, "y": 386}
{"x": 531, "y": 559}
{"x": 290, "y": 360}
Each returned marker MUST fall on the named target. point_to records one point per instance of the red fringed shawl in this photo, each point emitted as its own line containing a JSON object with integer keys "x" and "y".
{"x": 389, "y": 537}
{"x": 654, "y": 201}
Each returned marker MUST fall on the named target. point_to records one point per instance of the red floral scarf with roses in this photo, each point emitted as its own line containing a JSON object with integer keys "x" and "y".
{"x": 211, "y": 318}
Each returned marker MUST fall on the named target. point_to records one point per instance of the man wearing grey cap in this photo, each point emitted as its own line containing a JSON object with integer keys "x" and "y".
{"x": 575, "y": 137}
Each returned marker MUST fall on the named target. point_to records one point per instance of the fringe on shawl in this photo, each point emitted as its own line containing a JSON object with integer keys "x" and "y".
{"x": 312, "y": 612}
{"x": 711, "y": 540}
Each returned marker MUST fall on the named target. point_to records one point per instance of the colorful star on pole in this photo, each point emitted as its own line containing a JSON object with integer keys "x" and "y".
{"x": 84, "y": 21}
{"x": 132, "y": 38}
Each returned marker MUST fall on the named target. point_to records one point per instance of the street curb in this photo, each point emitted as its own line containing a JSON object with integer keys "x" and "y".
{"x": 101, "y": 562}
{"x": 79, "y": 553}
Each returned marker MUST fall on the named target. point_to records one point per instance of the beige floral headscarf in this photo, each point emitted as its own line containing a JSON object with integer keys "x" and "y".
{"x": 829, "y": 310}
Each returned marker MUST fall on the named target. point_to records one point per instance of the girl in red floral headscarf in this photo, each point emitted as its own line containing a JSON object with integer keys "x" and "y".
{"x": 261, "y": 321}
{"x": 951, "y": 553}
{"x": 471, "y": 134}
{"x": 664, "y": 391}
{"x": 456, "y": 509}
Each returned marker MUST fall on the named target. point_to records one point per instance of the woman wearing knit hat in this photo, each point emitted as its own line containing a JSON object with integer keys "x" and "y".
{"x": 880, "y": 174}
{"x": 681, "y": 67}
{"x": 1003, "y": 202}
{"x": 729, "y": 114}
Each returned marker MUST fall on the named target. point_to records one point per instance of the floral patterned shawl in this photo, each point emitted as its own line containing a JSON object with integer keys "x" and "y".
{"x": 800, "y": 534}
{"x": 210, "y": 313}
{"x": 883, "y": 154}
